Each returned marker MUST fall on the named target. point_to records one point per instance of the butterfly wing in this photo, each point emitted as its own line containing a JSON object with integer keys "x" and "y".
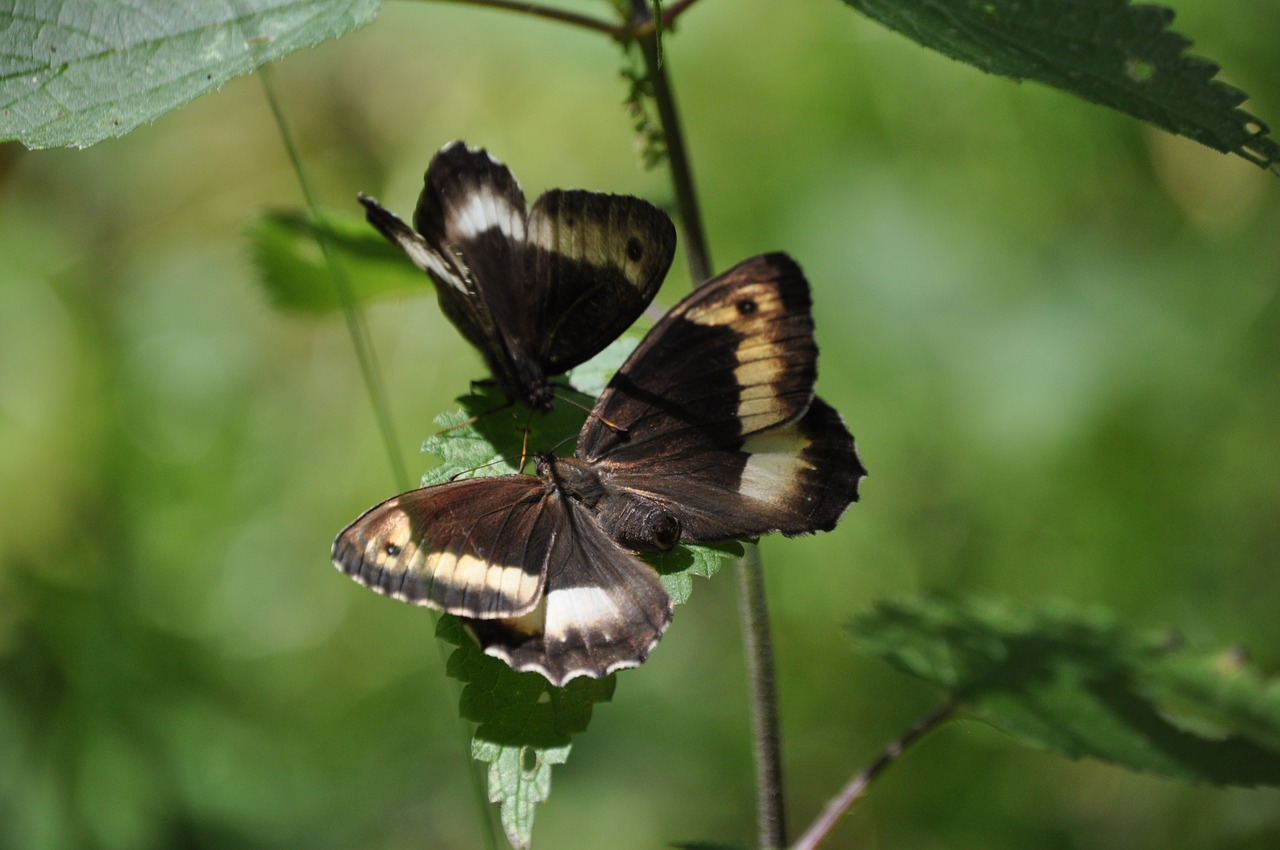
{"x": 476, "y": 548}
{"x": 713, "y": 416}
{"x": 468, "y": 235}
{"x": 603, "y": 609}
{"x": 593, "y": 262}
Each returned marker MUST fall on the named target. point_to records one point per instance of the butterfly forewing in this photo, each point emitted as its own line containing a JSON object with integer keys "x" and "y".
{"x": 735, "y": 357}
{"x": 594, "y": 262}
{"x": 603, "y": 609}
{"x": 476, "y": 548}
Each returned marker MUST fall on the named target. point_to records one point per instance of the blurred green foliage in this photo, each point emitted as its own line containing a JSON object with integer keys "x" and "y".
{"x": 1053, "y": 331}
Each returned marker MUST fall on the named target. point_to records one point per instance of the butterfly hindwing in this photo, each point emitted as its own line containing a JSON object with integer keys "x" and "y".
{"x": 475, "y": 548}
{"x": 796, "y": 479}
{"x": 603, "y": 609}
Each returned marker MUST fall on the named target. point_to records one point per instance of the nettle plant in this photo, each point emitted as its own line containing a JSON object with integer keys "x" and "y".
{"x": 1055, "y": 678}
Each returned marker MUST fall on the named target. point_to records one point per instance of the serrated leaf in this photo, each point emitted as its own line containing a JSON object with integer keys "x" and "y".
{"x": 75, "y": 72}
{"x": 296, "y": 276}
{"x": 1106, "y": 51}
{"x": 488, "y": 435}
{"x": 678, "y": 567}
{"x": 519, "y": 779}
{"x": 591, "y": 377}
{"x": 518, "y": 709}
{"x": 1084, "y": 684}
{"x": 524, "y": 724}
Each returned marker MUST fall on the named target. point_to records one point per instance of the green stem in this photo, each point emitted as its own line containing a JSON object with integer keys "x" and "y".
{"x": 377, "y": 394}
{"x": 757, "y": 645}
{"x": 695, "y": 243}
{"x": 857, "y": 786}
{"x": 749, "y": 571}
{"x": 355, "y": 321}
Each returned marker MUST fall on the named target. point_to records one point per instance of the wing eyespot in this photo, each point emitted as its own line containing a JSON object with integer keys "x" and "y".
{"x": 747, "y": 306}
{"x": 392, "y": 550}
{"x": 635, "y": 249}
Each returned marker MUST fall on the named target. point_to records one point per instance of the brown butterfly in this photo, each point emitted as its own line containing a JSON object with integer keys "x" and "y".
{"x": 537, "y": 291}
{"x": 710, "y": 431}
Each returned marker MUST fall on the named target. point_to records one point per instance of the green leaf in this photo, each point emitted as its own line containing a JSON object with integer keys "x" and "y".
{"x": 524, "y": 725}
{"x": 519, "y": 779}
{"x": 292, "y": 269}
{"x": 75, "y": 72}
{"x": 678, "y": 567}
{"x": 518, "y": 709}
{"x": 1084, "y": 684}
{"x": 591, "y": 377}
{"x": 1105, "y": 51}
{"x": 488, "y": 435}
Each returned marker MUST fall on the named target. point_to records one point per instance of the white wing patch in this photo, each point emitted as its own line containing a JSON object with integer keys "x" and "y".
{"x": 482, "y": 211}
{"x": 588, "y": 610}
{"x": 774, "y": 469}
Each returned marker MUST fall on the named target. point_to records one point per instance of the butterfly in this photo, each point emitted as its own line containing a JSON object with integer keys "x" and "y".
{"x": 709, "y": 431}
{"x": 537, "y": 291}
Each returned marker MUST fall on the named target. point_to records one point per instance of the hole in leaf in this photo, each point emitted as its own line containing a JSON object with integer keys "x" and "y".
{"x": 528, "y": 759}
{"x": 1139, "y": 70}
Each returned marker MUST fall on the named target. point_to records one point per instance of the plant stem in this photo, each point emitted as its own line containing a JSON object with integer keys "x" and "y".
{"x": 355, "y": 321}
{"x": 857, "y": 786}
{"x": 644, "y": 29}
{"x": 749, "y": 571}
{"x": 695, "y": 243}
{"x": 550, "y": 13}
{"x": 757, "y": 645}
{"x": 377, "y": 394}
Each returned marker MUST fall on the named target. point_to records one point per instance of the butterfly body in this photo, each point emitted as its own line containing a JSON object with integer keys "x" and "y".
{"x": 536, "y": 290}
{"x": 710, "y": 431}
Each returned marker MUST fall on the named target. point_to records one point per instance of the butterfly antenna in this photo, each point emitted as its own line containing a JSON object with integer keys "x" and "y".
{"x": 471, "y": 420}
{"x": 494, "y": 462}
{"x": 612, "y": 426}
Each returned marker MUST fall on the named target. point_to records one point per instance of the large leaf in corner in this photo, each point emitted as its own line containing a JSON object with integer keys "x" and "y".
{"x": 1085, "y": 684}
{"x": 1106, "y": 51}
{"x": 75, "y": 72}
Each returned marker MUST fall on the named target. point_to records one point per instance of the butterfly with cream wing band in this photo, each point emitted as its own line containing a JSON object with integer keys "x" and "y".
{"x": 714, "y": 433}
{"x": 536, "y": 291}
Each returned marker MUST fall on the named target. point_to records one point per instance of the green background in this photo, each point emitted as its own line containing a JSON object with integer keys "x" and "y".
{"x": 1052, "y": 330}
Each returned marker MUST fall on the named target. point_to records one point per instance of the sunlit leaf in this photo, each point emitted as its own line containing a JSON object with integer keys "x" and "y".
{"x": 524, "y": 724}
{"x": 1106, "y": 51}
{"x": 1085, "y": 684}
{"x": 296, "y": 276}
{"x": 519, "y": 778}
{"x": 75, "y": 72}
{"x": 678, "y": 567}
